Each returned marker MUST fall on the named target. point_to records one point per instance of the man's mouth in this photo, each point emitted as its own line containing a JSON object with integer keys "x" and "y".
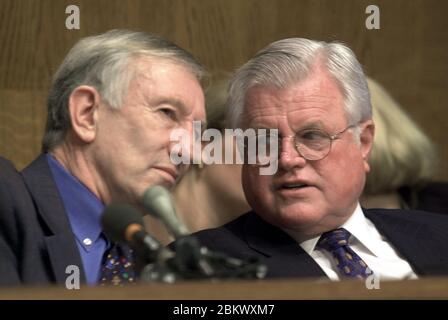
{"x": 292, "y": 186}
{"x": 169, "y": 171}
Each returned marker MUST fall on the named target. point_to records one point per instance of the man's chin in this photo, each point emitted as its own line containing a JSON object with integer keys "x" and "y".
{"x": 299, "y": 216}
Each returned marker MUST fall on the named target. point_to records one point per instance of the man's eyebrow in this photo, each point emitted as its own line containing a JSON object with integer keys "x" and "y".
{"x": 318, "y": 124}
{"x": 182, "y": 107}
{"x": 257, "y": 126}
{"x": 315, "y": 124}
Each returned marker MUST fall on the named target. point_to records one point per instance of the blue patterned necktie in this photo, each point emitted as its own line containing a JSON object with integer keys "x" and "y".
{"x": 348, "y": 262}
{"x": 118, "y": 268}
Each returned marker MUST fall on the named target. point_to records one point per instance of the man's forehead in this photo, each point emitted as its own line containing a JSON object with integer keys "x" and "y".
{"x": 148, "y": 60}
{"x": 318, "y": 93}
{"x": 318, "y": 82}
{"x": 158, "y": 72}
{"x": 155, "y": 71}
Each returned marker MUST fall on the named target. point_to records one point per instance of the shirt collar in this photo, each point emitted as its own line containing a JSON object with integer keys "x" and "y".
{"x": 83, "y": 208}
{"x": 361, "y": 229}
{"x": 357, "y": 225}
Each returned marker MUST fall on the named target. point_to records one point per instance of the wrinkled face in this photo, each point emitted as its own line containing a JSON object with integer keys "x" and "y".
{"x": 331, "y": 186}
{"x": 132, "y": 147}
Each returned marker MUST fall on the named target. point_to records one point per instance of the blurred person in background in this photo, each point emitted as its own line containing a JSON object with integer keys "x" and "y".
{"x": 403, "y": 161}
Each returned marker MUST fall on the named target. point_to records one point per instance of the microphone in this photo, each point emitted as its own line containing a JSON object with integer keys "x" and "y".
{"x": 158, "y": 202}
{"x": 123, "y": 223}
{"x": 191, "y": 260}
{"x": 188, "y": 258}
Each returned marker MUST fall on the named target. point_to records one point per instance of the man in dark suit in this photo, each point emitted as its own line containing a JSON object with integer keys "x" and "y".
{"x": 113, "y": 104}
{"x": 312, "y": 102}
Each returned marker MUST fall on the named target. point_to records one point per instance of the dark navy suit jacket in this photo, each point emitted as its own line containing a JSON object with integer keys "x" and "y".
{"x": 36, "y": 241}
{"x": 420, "y": 237}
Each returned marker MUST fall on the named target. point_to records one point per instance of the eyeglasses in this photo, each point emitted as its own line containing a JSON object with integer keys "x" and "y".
{"x": 311, "y": 144}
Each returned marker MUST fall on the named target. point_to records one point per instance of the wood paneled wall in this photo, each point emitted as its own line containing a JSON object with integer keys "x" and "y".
{"x": 408, "y": 55}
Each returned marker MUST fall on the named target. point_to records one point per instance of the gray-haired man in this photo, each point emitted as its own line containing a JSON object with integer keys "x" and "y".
{"x": 112, "y": 106}
{"x": 306, "y": 219}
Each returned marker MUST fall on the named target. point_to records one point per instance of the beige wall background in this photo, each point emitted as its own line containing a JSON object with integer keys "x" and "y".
{"x": 408, "y": 55}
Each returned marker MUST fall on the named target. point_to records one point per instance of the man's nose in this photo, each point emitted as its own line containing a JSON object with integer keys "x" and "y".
{"x": 289, "y": 157}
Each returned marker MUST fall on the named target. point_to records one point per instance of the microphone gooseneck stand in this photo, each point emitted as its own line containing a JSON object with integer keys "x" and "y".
{"x": 191, "y": 261}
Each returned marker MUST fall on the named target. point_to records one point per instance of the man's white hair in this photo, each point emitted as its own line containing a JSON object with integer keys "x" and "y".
{"x": 289, "y": 61}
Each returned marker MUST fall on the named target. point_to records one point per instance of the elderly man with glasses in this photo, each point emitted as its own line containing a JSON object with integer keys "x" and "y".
{"x": 306, "y": 220}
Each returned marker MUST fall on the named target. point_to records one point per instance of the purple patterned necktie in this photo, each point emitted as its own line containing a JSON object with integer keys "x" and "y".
{"x": 348, "y": 262}
{"x": 118, "y": 268}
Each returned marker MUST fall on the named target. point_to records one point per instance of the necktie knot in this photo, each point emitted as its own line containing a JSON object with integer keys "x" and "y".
{"x": 335, "y": 239}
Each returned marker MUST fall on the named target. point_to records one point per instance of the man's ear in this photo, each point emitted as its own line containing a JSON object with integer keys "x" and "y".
{"x": 366, "y": 139}
{"x": 83, "y": 107}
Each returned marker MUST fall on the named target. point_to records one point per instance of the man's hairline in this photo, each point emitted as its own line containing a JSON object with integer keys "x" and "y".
{"x": 289, "y": 84}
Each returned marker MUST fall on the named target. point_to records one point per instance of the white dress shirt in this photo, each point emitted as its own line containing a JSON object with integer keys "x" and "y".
{"x": 380, "y": 256}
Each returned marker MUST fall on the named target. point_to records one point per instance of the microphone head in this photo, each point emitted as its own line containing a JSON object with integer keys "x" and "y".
{"x": 116, "y": 219}
{"x": 158, "y": 202}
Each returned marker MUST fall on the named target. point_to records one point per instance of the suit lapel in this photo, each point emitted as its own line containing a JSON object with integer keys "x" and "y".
{"x": 283, "y": 255}
{"x": 59, "y": 239}
{"x": 422, "y": 245}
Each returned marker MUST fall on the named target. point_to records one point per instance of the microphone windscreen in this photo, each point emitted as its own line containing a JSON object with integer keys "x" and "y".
{"x": 157, "y": 201}
{"x": 117, "y": 217}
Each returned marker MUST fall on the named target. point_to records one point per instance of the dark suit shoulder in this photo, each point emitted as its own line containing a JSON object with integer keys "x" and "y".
{"x": 11, "y": 237}
{"x": 11, "y": 186}
{"x": 419, "y": 236}
{"x": 8, "y": 173}
{"x": 424, "y": 218}
{"x": 6, "y": 165}
{"x": 228, "y": 238}
{"x": 17, "y": 212}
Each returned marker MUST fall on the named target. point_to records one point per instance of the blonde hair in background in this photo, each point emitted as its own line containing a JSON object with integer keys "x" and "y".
{"x": 402, "y": 154}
